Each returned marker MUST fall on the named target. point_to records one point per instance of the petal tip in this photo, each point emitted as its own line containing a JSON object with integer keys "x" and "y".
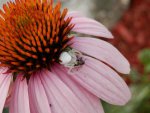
{"x": 127, "y": 69}
{"x": 111, "y": 36}
{"x": 127, "y": 99}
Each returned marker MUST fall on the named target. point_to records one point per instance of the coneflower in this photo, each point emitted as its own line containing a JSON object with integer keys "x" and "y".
{"x": 46, "y": 69}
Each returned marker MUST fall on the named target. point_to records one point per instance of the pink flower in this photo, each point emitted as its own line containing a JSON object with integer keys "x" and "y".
{"x": 47, "y": 69}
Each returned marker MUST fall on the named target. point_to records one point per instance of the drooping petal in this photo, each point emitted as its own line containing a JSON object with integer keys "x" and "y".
{"x": 7, "y": 102}
{"x": 73, "y": 14}
{"x": 5, "y": 80}
{"x": 20, "y": 98}
{"x": 102, "y": 51}
{"x": 91, "y": 102}
{"x": 38, "y": 98}
{"x": 89, "y": 26}
{"x": 102, "y": 81}
{"x": 61, "y": 98}
{"x": 8, "y": 99}
{"x": 32, "y": 110}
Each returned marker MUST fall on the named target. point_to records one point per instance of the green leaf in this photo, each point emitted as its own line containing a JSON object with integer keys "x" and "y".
{"x": 5, "y": 110}
{"x": 147, "y": 68}
{"x": 144, "y": 56}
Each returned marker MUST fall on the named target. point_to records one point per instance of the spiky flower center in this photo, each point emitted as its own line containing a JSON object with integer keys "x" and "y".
{"x": 32, "y": 35}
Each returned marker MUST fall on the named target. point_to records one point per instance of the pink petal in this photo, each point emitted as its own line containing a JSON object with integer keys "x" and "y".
{"x": 32, "y": 110}
{"x": 91, "y": 102}
{"x": 89, "y": 26}
{"x": 62, "y": 99}
{"x": 20, "y": 99}
{"x": 7, "y": 102}
{"x": 102, "y": 51}
{"x": 38, "y": 98}
{"x": 73, "y": 14}
{"x": 103, "y": 82}
{"x": 5, "y": 80}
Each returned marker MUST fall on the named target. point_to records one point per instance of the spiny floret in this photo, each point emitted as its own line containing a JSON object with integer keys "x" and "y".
{"x": 32, "y": 35}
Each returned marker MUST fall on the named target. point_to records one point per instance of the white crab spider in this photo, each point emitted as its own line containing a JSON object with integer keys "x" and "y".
{"x": 71, "y": 59}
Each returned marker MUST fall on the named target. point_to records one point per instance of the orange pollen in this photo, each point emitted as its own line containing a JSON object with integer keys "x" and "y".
{"x": 32, "y": 35}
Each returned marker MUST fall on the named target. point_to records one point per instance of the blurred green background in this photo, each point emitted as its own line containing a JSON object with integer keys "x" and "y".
{"x": 127, "y": 19}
